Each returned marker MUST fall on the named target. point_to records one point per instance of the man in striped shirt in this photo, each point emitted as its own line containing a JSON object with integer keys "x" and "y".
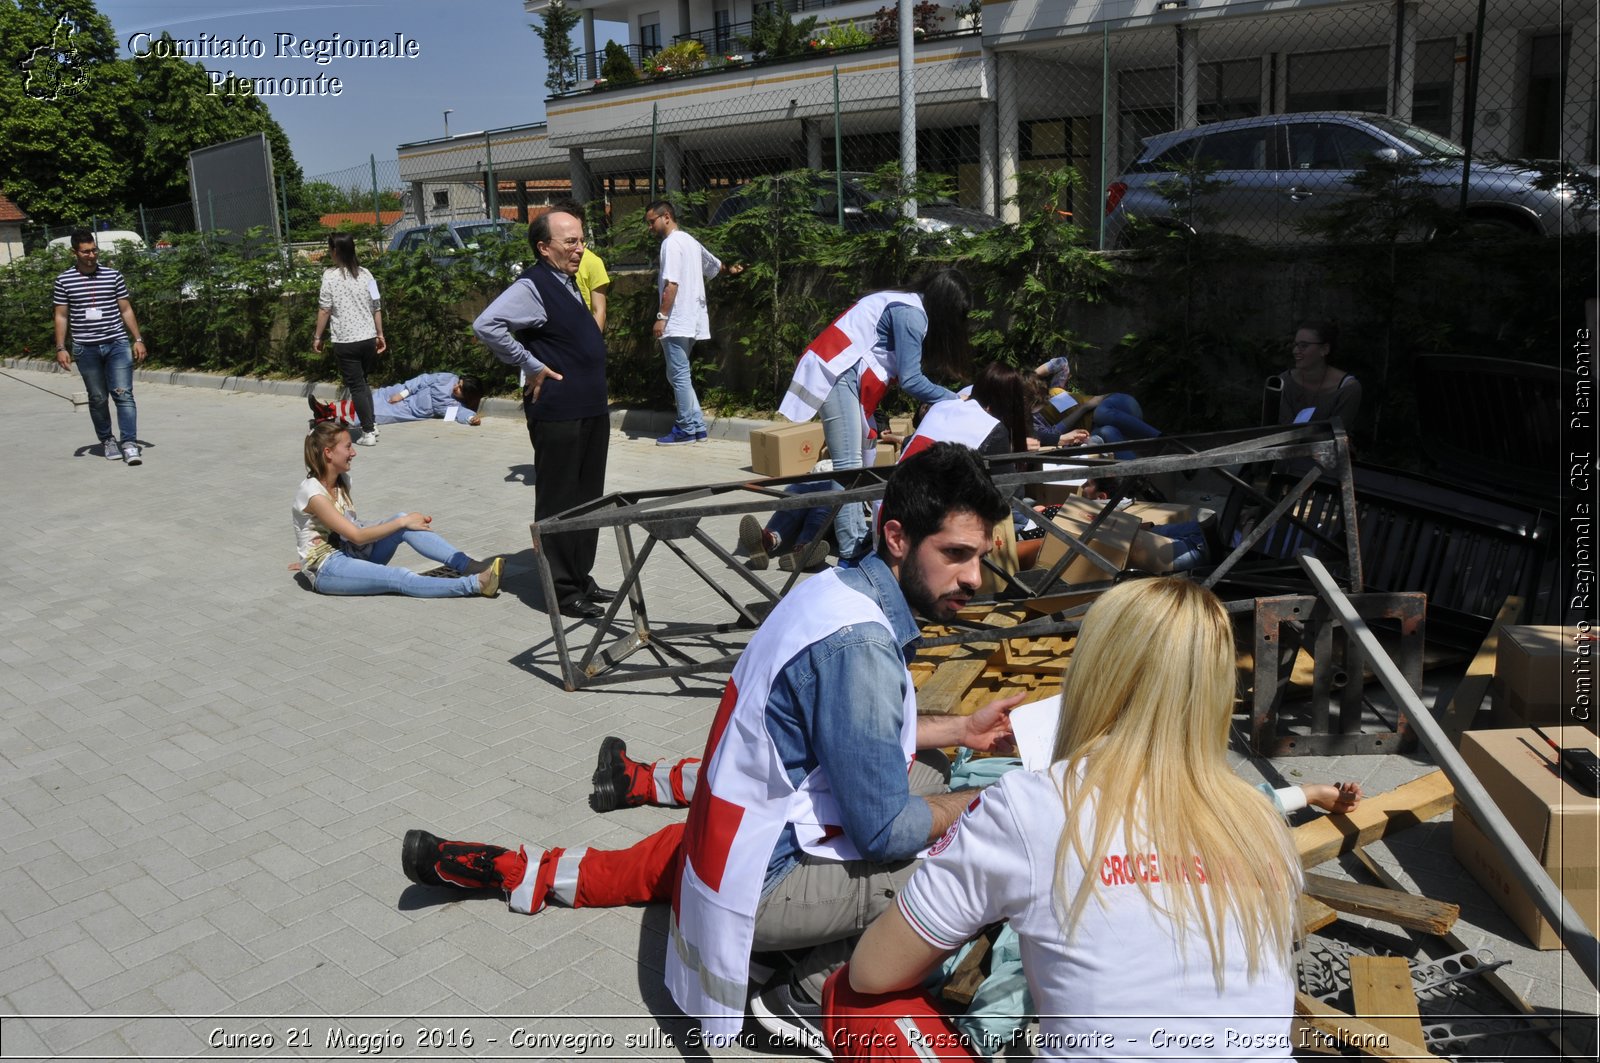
{"x": 93, "y": 301}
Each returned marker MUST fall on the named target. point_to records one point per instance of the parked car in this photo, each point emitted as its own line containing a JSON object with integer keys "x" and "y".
{"x": 1281, "y": 170}
{"x": 448, "y": 241}
{"x": 106, "y": 240}
{"x": 933, "y": 215}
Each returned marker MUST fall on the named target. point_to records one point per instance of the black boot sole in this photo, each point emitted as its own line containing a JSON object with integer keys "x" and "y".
{"x": 607, "y": 796}
{"x": 418, "y": 854}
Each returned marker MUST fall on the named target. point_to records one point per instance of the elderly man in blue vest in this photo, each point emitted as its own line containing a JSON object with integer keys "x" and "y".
{"x": 541, "y": 325}
{"x": 809, "y": 812}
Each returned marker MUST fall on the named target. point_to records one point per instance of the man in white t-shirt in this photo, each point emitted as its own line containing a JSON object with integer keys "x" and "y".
{"x": 681, "y": 316}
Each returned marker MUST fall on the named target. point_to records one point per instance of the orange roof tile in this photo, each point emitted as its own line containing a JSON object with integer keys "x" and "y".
{"x": 9, "y": 211}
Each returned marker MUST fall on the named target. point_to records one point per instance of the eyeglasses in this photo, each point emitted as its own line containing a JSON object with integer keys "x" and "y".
{"x": 569, "y": 243}
{"x": 1301, "y": 345}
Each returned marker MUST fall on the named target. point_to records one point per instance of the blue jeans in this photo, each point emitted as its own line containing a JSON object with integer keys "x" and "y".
{"x": 843, "y": 431}
{"x": 1119, "y": 417}
{"x": 676, "y": 351}
{"x": 365, "y": 569}
{"x": 795, "y": 527}
{"x": 107, "y": 371}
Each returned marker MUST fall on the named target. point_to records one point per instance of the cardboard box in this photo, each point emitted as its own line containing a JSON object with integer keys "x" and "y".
{"x": 1558, "y": 821}
{"x": 1003, "y": 555}
{"x": 1055, "y": 491}
{"x": 1534, "y": 679}
{"x": 785, "y": 449}
{"x": 1112, "y": 540}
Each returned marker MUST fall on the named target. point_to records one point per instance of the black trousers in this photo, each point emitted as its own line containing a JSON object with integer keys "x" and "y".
{"x": 356, "y": 360}
{"x": 569, "y": 462}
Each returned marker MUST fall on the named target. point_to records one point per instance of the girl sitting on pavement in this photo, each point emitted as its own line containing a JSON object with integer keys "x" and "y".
{"x": 341, "y": 555}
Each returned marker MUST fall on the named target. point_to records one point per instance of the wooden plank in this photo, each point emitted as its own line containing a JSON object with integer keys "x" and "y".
{"x": 1557, "y": 1038}
{"x": 942, "y": 692}
{"x": 1323, "y": 1029}
{"x": 1314, "y": 915}
{"x": 1390, "y": 906}
{"x": 1377, "y": 817}
{"x": 1380, "y": 987}
{"x": 1469, "y": 693}
{"x": 974, "y": 967}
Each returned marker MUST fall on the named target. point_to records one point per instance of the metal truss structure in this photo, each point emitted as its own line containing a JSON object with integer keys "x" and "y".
{"x": 645, "y": 523}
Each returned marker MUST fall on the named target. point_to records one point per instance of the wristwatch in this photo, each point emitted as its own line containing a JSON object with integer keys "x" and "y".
{"x": 660, "y": 316}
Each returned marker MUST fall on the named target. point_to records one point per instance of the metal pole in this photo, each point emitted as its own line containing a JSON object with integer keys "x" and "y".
{"x": 908, "y": 109}
{"x": 283, "y": 195}
{"x": 492, "y": 186}
{"x": 1469, "y": 117}
{"x": 653, "y": 116}
{"x": 144, "y": 226}
{"x": 838, "y": 150}
{"x": 377, "y": 218}
{"x": 1577, "y": 937}
{"x": 211, "y": 211}
{"x": 1105, "y": 104}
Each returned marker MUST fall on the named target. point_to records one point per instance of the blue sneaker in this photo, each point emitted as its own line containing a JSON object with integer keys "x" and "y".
{"x": 700, "y": 436}
{"x": 675, "y": 438}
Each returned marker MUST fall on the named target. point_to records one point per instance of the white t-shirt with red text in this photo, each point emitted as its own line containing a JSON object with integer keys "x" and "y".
{"x": 1119, "y": 989}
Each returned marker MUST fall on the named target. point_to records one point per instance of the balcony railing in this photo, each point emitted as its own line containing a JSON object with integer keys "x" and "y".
{"x": 724, "y": 48}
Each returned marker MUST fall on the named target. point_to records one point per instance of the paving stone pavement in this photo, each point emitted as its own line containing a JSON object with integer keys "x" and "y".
{"x": 206, "y": 769}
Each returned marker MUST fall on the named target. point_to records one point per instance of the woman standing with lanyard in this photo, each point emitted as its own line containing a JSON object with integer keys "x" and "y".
{"x": 349, "y": 302}
{"x": 885, "y": 338}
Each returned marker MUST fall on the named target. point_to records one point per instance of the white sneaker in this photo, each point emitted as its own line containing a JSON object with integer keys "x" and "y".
{"x": 368, "y": 439}
{"x": 132, "y": 454}
{"x": 780, "y": 1011}
{"x": 110, "y": 449}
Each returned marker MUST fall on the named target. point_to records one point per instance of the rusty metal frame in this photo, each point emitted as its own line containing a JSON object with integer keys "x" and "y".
{"x": 671, "y": 518}
{"x": 1284, "y": 625}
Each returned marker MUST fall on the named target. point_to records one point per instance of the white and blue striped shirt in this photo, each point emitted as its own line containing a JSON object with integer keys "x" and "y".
{"x": 91, "y": 302}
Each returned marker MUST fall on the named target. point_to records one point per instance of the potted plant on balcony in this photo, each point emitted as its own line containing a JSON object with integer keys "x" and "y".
{"x": 555, "y": 30}
{"x": 685, "y": 57}
{"x": 925, "y": 19}
{"x": 840, "y": 36}
{"x": 618, "y": 69}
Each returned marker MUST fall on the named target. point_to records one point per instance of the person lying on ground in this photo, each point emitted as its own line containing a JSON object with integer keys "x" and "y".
{"x": 422, "y": 397}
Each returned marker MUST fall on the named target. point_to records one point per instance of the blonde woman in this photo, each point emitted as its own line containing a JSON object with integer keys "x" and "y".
{"x": 1152, "y": 889}
{"x": 341, "y": 555}
{"x": 348, "y": 302}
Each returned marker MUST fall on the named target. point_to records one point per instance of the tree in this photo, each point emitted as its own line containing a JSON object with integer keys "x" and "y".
{"x": 618, "y": 69}
{"x": 84, "y": 133}
{"x": 556, "y": 32}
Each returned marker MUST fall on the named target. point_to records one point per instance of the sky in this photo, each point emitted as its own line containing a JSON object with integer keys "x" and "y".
{"x": 476, "y": 57}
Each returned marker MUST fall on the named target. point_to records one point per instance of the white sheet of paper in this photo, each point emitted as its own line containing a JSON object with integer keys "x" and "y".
{"x": 450, "y": 415}
{"x": 1051, "y": 469}
{"x": 1034, "y": 724}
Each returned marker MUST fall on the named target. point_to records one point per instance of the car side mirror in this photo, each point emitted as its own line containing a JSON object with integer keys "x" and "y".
{"x": 1386, "y": 155}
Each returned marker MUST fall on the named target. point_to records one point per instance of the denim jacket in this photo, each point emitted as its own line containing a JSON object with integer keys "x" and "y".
{"x": 837, "y": 703}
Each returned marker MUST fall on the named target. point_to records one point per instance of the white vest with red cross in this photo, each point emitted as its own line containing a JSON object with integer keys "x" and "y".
{"x": 742, "y": 803}
{"x": 851, "y": 339}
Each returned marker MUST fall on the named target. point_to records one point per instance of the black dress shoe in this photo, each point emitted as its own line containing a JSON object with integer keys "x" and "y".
{"x": 600, "y": 594}
{"x": 582, "y": 609}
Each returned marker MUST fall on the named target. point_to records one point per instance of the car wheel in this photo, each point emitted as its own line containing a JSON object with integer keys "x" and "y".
{"x": 1492, "y": 227}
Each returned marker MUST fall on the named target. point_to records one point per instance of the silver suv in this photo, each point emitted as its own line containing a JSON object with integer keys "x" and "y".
{"x": 1279, "y": 171}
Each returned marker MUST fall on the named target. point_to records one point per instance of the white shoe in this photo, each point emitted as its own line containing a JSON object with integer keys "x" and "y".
{"x": 368, "y": 439}
{"x": 780, "y": 1011}
{"x": 132, "y": 454}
